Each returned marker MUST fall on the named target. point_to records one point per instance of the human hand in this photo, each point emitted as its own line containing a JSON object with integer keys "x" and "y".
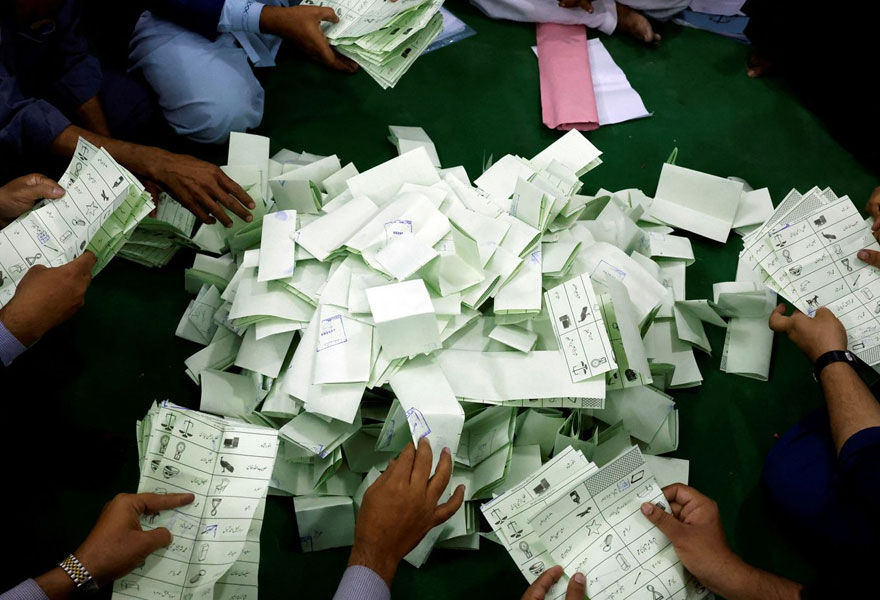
{"x": 823, "y": 333}
{"x": 400, "y": 508}
{"x": 695, "y": 530}
{"x": 584, "y": 4}
{"x": 302, "y": 26}
{"x": 577, "y": 585}
{"x": 117, "y": 544}
{"x": 46, "y": 297}
{"x": 19, "y": 195}
{"x": 200, "y": 186}
{"x": 873, "y": 209}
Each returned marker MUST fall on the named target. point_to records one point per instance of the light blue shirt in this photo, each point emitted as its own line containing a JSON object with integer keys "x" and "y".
{"x": 241, "y": 18}
{"x": 10, "y": 347}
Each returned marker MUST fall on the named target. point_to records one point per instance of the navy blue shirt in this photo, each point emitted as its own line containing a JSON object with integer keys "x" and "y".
{"x": 44, "y": 77}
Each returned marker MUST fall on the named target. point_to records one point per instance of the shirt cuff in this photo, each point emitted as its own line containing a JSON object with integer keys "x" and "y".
{"x": 10, "y": 349}
{"x": 240, "y": 15}
{"x": 26, "y": 590}
{"x": 362, "y": 583}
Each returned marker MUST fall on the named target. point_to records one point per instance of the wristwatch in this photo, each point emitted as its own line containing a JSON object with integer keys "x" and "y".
{"x": 838, "y": 356}
{"x": 85, "y": 584}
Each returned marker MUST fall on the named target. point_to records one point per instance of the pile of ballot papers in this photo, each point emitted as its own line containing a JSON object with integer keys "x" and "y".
{"x": 99, "y": 212}
{"x": 384, "y": 38}
{"x": 519, "y": 323}
{"x": 159, "y": 237}
{"x": 807, "y": 251}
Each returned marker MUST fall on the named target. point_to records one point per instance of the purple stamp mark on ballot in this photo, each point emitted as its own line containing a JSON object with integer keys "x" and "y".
{"x": 418, "y": 425}
{"x": 332, "y": 333}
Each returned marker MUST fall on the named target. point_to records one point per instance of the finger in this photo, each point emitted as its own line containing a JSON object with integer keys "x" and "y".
{"x": 675, "y": 507}
{"x": 212, "y": 207}
{"x": 778, "y": 321}
{"x": 231, "y": 203}
{"x": 328, "y": 14}
{"x": 681, "y": 493}
{"x": 586, "y": 6}
{"x": 195, "y": 209}
{"x": 343, "y": 63}
{"x": 84, "y": 263}
{"x": 422, "y": 464}
{"x": 153, "y": 503}
{"x": 445, "y": 511}
{"x": 156, "y": 538}
{"x": 577, "y": 587}
{"x": 441, "y": 476}
{"x": 539, "y": 589}
{"x": 154, "y": 192}
{"x": 43, "y": 187}
{"x": 404, "y": 464}
{"x": 666, "y": 523}
{"x": 872, "y": 257}
{"x": 876, "y": 224}
{"x": 236, "y": 190}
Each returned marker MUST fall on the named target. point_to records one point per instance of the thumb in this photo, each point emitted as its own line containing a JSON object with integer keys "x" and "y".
{"x": 40, "y": 186}
{"x": 577, "y": 587}
{"x": 84, "y": 262}
{"x": 156, "y": 538}
{"x": 872, "y": 257}
{"x": 328, "y": 14}
{"x": 666, "y": 523}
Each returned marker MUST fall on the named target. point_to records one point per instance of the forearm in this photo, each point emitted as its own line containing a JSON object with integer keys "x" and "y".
{"x": 271, "y": 19}
{"x": 91, "y": 115}
{"x": 140, "y": 160}
{"x": 851, "y": 405}
{"x": 56, "y": 584}
{"x": 745, "y": 582}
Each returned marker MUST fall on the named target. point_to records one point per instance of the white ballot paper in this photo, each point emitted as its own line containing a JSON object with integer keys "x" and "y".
{"x": 697, "y": 202}
{"x": 577, "y": 322}
{"x": 227, "y": 466}
{"x": 278, "y": 248}
{"x": 597, "y": 528}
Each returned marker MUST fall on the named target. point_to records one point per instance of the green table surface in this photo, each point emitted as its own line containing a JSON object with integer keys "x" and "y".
{"x": 71, "y": 402}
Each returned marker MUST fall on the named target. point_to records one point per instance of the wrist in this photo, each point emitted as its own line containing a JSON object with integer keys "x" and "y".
{"x": 149, "y": 162}
{"x": 20, "y": 329}
{"x": 56, "y": 584}
{"x": 742, "y": 581}
{"x": 271, "y": 18}
{"x": 377, "y": 561}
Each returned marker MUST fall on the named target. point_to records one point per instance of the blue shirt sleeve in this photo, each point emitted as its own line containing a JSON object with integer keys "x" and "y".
{"x": 201, "y": 16}
{"x": 240, "y": 15}
{"x": 10, "y": 347}
{"x": 26, "y": 590}
{"x": 77, "y": 74}
{"x": 27, "y": 126}
{"x": 859, "y": 464}
{"x": 362, "y": 583}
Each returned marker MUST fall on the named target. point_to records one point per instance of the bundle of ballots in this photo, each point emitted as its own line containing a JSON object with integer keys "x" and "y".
{"x": 807, "y": 251}
{"x": 384, "y": 38}
{"x": 511, "y": 319}
{"x": 158, "y": 238}
{"x": 226, "y": 465}
{"x": 102, "y": 206}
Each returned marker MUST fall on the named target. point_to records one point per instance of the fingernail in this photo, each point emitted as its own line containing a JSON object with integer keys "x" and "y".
{"x": 647, "y": 509}
{"x": 249, "y": 218}
{"x": 863, "y": 254}
{"x": 251, "y": 205}
{"x": 447, "y": 451}
{"x": 57, "y": 191}
{"x": 579, "y": 579}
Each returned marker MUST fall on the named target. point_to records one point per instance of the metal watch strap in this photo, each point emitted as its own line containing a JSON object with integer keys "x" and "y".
{"x": 836, "y": 356}
{"x": 75, "y": 570}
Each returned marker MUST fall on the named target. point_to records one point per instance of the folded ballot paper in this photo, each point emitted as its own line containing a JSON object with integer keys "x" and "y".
{"x": 525, "y": 326}
{"x": 384, "y": 38}
{"x": 102, "y": 206}
{"x": 158, "y": 238}
{"x": 226, "y": 464}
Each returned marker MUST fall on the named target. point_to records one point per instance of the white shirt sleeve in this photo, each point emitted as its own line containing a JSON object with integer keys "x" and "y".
{"x": 240, "y": 15}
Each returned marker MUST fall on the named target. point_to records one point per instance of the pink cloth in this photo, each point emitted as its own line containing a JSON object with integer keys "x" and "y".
{"x": 567, "y": 97}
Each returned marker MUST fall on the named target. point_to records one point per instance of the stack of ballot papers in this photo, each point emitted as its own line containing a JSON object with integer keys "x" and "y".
{"x": 509, "y": 318}
{"x": 588, "y": 520}
{"x": 158, "y": 238}
{"x": 807, "y": 252}
{"x": 99, "y": 212}
{"x": 226, "y": 464}
{"x": 384, "y": 38}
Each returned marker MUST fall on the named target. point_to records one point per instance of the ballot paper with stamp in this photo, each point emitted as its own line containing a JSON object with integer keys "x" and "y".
{"x": 510, "y": 513}
{"x": 577, "y": 322}
{"x": 596, "y": 527}
{"x": 227, "y": 465}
